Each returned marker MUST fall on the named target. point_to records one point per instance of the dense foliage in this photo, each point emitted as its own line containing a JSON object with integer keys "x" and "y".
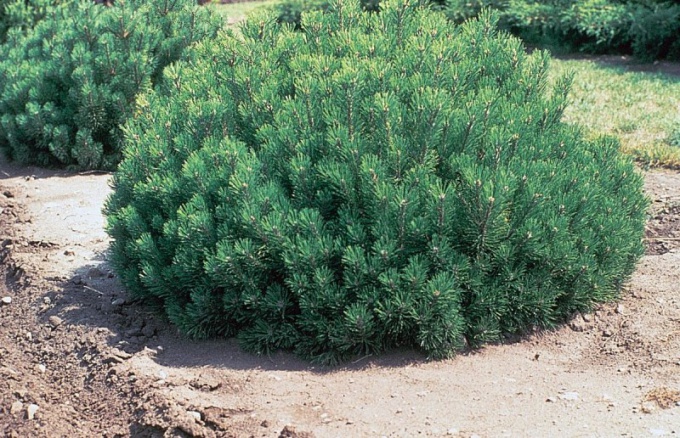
{"x": 290, "y": 11}
{"x": 372, "y": 181}
{"x": 68, "y": 84}
{"x": 22, "y": 14}
{"x": 650, "y": 29}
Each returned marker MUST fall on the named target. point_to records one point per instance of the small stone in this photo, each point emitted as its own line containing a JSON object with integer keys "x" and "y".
{"x": 55, "y": 321}
{"x": 587, "y": 317}
{"x": 8, "y": 194}
{"x": 551, "y": 399}
{"x": 47, "y": 301}
{"x": 133, "y": 332}
{"x": 163, "y": 374}
{"x": 289, "y": 431}
{"x": 648, "y": 407}
{"x": 607, "y": 333}
{"x": 118, "y": 302}
{"x": 31, "y": 411}
{"x": 148, "y": 331}
{"x": 95, "y": 273}
{"x": 569, "y": 396}
{"x": 41, "y": 368}
{"x": 120, "y": 353}
{"x": 620, "y": 309}
{"x": 16, "y": 407}
{"x": 638, "y": 294}
{"x": 452, "y": 431}
{"x": 69, "y": 253}
{"x": 264, "y": 423}
{"x": 195, "y": 414}
{"x": 6, "y": 300}
{"x": 578, "y": 324}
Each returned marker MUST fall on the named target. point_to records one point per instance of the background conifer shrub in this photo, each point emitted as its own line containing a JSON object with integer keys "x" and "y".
{"x": 290, "y": 11}
{"x": 649, "y": 29}
{"x": 22, "y": 14}
{"x": 68, "y": 84}
{"x": 373, "y": 181}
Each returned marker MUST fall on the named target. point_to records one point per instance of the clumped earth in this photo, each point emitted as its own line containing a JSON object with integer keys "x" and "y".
{"x": 79, "y": 358}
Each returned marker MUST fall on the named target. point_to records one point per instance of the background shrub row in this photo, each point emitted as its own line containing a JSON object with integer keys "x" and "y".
{"x": 649, "y": 29}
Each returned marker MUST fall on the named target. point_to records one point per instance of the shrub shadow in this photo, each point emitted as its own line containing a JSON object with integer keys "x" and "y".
{"x": 93, "y": 297}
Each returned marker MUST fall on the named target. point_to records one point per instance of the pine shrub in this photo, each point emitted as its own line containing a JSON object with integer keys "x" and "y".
{"x": 68, "y": 84}
{"x": 370, "y": 182}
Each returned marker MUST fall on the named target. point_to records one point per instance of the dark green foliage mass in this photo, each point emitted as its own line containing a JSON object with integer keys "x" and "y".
{"x": 290, "y": 11}
{"x": 22, "y": 14}
{"x": 649, "y": 29}
{"x": 373, "y": 181}
{"x": 68, "y": 84}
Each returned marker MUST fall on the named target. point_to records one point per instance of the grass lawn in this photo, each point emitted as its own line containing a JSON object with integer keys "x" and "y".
{"x": 641, "y": 109}
{"x": 235, "y": 12}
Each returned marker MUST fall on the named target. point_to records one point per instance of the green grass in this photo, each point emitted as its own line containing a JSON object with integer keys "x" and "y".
{"x": 641, "y": 109}
{"x": 236, "y": 12}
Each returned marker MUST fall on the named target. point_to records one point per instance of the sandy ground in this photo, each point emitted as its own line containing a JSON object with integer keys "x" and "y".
{"x": 77, "y": 358}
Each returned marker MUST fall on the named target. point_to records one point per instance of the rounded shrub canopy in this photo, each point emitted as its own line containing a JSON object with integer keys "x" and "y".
{"x": 370, "y": 182}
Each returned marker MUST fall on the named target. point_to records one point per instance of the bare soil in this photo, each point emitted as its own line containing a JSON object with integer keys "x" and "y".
{"x": 79, "y": 358}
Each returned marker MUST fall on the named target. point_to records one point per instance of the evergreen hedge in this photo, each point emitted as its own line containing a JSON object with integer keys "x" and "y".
{"x": 290, "y": 11}
{"x": 372, "y": 181}
{"x": 648, "y": 29}
{"x": 67, "y": 84}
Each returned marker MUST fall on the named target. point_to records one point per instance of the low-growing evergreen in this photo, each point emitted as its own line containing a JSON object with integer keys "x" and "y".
{"x": 370, "y": 182}
{"x": 67, "y": 84}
